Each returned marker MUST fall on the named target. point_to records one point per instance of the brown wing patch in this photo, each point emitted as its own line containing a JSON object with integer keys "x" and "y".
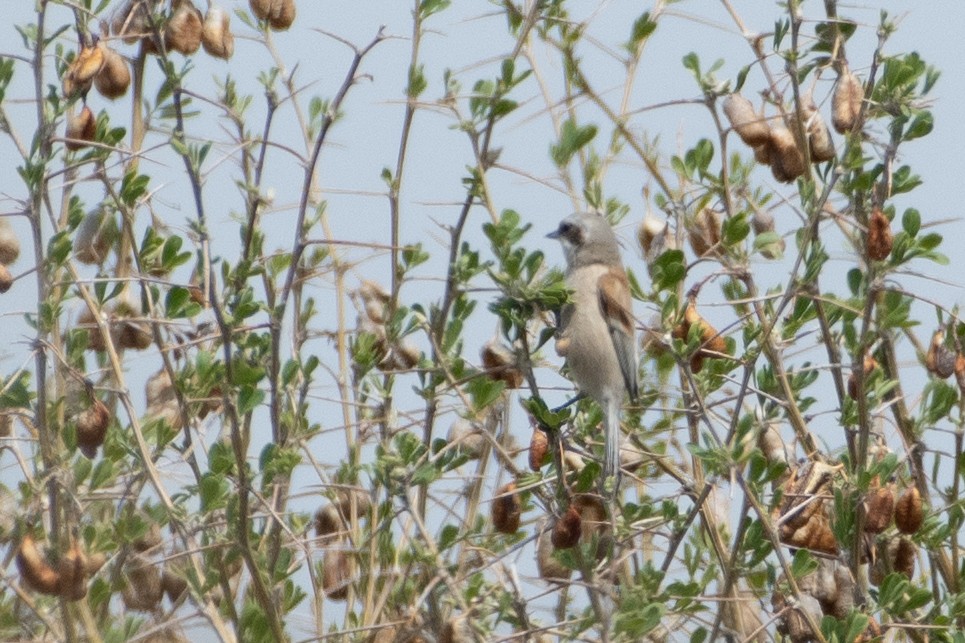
{"x": 614, "y": 290}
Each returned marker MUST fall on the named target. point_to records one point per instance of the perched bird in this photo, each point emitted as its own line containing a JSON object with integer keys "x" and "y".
{"x": 596, "y": 327}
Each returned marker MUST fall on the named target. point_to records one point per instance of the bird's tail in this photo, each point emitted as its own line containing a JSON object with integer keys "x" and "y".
{"x": 611, "y": 442}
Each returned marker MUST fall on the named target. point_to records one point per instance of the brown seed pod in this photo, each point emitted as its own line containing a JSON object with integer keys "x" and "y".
{"x": 506, "y": 509}
{"x": 172, "y": 583}
{"x": 787, "y": 162}
{"x": 74, "y": 570}
{"x": 879, "y": 507}
{"x": 880, "y": 239}
{"x": 712, "y": 343}
{"x": 131, "y": 332}
{"x": 81, "y": 129}
{"x": 9, "y": 243}
{"x": 6, "y": 279}
{"x": 904, "y": 557}
{"x": 500, "y": 363}
{"x": 217, "y": 38}
{"x": 346, "y": 497}
{"x": 328, "y": 522}
{"x": 820, "y": 145}
{"x": 799, "y": 505}
{"x": 846, "y": 102}
{"x": 549, "y": 567}
{"x": 655, "y": 237}
{"x": 539, "y": 445}
{"x": 142, "y": 590}
{"x": 162, "y": 401}
{"x": 184, "y": 28}
{"x": 703, "y": 232}
{"x": 95, "y": 236}
{"x": 567, "y": 530}
{"x": 468, "y": 437}
{"x": 132, "y": 20}
{"x": 336, "y": 574}
{"x": 114, "y": 77}
{"x": 909, "y": 512}
{"x": 762, "y": 153}
{"x": 761, "y": 222}
{"x": 749, "y": 125}
{"x": 82, "y": 70}
{"x": 91, "y": 427}
{"x": 870, "y": 364}
{"x": 457, "y": 630}
{"x": 280, "y": 14}
{"x": 35, "y": 571}
{"x": 149, "y": 540}
{"x": 792, "y": 622}
{"x": 939, "y": 360}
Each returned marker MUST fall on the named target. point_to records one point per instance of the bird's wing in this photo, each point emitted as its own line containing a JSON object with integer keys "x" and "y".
{"x": 614, "y": 290}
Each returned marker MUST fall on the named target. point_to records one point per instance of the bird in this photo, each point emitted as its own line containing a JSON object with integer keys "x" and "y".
{"x": 596, "y": 329}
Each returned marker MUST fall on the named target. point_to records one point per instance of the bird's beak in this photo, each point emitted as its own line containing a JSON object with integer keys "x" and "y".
{"x": 555, "y": 234}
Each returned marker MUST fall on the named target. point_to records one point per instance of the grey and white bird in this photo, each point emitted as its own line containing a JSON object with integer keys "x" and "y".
{"x": 596, "y": 333}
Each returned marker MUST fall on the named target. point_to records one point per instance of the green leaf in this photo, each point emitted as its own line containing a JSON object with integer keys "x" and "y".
{"x": 573, "y": 138}
{"x": 911, "y": 222}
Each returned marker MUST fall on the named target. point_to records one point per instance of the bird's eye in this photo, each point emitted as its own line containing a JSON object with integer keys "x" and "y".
{"x": 566, "y": 228}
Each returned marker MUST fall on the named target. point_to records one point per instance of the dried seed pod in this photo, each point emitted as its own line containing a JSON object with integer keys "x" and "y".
{"x": 131, "y": 333}
{"x": 655, "y": 238}
{"x": 328, "y": 522}
{"x": 550, "y": 568}
{"x": 347, "y": 497}
{"x": 6, "y": 425}
{"x": 815, "y": 535}
{"x": 712, "y": 343}
{"x": 506, "y": 509}
{"x": 539, "y": 445}
{"x": 336, "y": 574}
{"x": 184, "y": 28}
{"x": 787, "y": 162}
{"x": 772, "y": 445}
{"x": 6, "y": 279}
{"x": 820, "y": 145}
{"x": 114, "y": 77}
{"x": 909, "y": 513}
{"x": 846, "y": 102}
{"x": 749, "y": 125}
{"x": 762, "y": 153}
{"x": 217, "y": 38}
{"x": 74, "y": 568}
{"x": 904, "y": 558}
{"x": 81, "y": 129}
{"x": 82, "y": 70}
{"x": 880, "y": 239}
{"x": 403, "y": 356}
{"x": 142, "y": 590}
{"x": 9, "y": 243}
{"x": 95, "y": 236}
{"x": 593, "y": 520}
{"x": 870, "y": 364}
{"x": 809, "y": 479}
{"x": 567, "y": 529}
{"x": 703, "y": 232}
{"x": 95, "y": 340}
{"x": 940, "y": 360}
{"x": 792, "y": 622}
{"x": 162, "y": 401}
{"x": 761, "y": 222}
{"x": 280, "y": 14}
{"x": 500, "y": 363}
{"x": 172, "y": 583}
{"x": 468, "y": 437}
{"x": 149, "y": 540}
{"x": 132, "y": 20}
{"x": 457, "y": 630}
{"x": 35, "y": 571}
{"x": 91, "y": 427}
{"x": 879, "y": 507}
